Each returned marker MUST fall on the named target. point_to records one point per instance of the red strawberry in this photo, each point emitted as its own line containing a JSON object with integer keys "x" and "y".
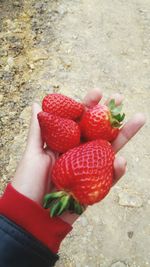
{"x": 102, "y": 122}
{"x": 62, "y": 106}
{"x": 84, "y": 175}
{"x": 58, "y": 133}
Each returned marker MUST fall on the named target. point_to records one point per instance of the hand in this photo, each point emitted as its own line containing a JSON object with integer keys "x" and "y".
{"x": 32, "y": 177}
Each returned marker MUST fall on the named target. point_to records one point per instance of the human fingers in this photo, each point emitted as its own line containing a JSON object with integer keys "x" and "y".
{"x": 34, "y": 140}
{"x": 128, "y": 131}
{"x": 92, "y": 98}
{"x": 51, "y": 154}
{"x": 119, "y": 168}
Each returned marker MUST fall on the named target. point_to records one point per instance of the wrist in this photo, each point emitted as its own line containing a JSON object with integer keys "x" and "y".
{"x": 25, "y": 190}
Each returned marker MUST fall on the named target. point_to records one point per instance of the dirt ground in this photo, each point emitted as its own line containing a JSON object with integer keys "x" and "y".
{"x": 70, "y": 46}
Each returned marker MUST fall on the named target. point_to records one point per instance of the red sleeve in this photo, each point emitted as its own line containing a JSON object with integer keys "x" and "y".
{"x": 33, "y": 218}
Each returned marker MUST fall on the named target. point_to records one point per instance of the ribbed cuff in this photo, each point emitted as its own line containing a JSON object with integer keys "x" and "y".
{"x": 33, "y": 218}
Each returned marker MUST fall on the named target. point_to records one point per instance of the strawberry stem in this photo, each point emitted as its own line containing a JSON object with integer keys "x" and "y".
{"x": 116, "y": 117}
{"x": 60, "y": 201}
{"x": 78, "y": 208}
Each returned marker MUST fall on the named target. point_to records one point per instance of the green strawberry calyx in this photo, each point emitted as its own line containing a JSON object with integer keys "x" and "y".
{"x": 116, "y": 117}
{"x": 60, "y": 201}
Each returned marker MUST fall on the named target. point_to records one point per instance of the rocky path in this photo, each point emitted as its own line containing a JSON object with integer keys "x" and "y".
{"x": 70, "y": 46}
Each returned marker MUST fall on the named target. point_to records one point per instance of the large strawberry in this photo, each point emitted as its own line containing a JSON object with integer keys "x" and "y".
{"x": 102, "y": 122}
{"x": 59, "y": 134}
{"x": 62, "y": 106}
{"x": 82, "y": 176}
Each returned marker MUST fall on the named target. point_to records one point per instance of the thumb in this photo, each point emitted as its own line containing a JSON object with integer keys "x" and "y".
{"x": 53, "y": 155}
{"x": 34, "y": 140}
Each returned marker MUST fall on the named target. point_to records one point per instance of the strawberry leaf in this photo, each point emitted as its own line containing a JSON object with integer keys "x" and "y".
{"x": 120, "y": 117}
{"x": 116, "y": 110}
{"x": 55, "y": 209}
{"x": 115, "y": 114}
{"x": 111, "y": 104}
{"x": 64, "y": 204}
{"x": 52, "y": 196}
{"x": 58, "y": 202}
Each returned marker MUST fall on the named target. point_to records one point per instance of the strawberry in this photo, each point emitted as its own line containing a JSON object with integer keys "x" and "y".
{"x": 59, "y": 134}
{"x": 62, "y": 106}
{"x": 82, "y": 176}
{"x": 101, "y": 121}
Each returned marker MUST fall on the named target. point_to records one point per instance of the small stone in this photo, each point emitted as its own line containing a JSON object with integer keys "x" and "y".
{"x": 16, "y": 98}
{"x": 37, "y": 55}
{"x": 75, "y": 37}
{"x": 130, "y": 200}
{"x": 31, "y": 66}
{"x": 10, "y": 61}
{"x": 7, "y": 68}
{"x": 119, "y": 264}
{"x": 130, "y": 234}
{"x": 17, "y": 4}
{"x": 62, "y": 11}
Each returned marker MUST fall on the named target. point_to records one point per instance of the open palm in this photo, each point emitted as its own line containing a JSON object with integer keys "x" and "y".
{"x": 32, "y": 177}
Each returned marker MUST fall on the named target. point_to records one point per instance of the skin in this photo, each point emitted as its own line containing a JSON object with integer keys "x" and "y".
{"x": 32, "y": 177}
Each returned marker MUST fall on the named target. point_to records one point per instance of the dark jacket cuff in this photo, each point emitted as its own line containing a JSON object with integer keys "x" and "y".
{"x": 19, "y": 248}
